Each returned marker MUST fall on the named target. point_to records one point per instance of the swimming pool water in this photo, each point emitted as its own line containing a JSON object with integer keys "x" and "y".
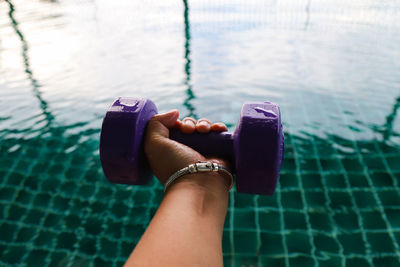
{"x": 332, "y": 66}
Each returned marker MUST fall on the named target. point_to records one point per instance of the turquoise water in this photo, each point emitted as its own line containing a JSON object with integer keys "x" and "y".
{"x": 333, "y": 67}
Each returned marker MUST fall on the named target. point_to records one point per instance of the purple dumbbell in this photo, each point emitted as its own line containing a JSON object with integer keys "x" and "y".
{"x": 255, "y": 148}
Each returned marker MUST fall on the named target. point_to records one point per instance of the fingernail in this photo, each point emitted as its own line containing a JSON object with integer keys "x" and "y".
{"x": 189, "y": 122}
{"x": 172, "y": 114}
{"x": 204, "y": 123}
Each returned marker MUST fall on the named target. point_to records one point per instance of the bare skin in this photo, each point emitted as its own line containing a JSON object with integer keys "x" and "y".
{"x": 187, "y": 227}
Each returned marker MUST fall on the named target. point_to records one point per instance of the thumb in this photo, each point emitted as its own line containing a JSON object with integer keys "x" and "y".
{"x": 160, "y": 123}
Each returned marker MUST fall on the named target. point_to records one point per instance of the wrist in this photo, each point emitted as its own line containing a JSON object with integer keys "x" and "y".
{"x": 215, "y": 183}
{"x": 204, "y": 195}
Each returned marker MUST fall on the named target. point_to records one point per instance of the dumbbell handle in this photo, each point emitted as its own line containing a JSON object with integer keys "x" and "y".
{"x": 207, "y": 144}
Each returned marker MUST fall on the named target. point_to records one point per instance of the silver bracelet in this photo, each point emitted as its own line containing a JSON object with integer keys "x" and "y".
{"x": 199, "y": 167}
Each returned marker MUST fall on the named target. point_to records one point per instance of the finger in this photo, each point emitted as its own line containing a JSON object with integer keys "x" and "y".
{"x": 203, "y": 125}
{"x": 188, "y": 125}
{"x": 219, "y": 127}
{"x": 178, "y": 124}
{"x": 159, "y": 124}
{"x": 168, "y": 119}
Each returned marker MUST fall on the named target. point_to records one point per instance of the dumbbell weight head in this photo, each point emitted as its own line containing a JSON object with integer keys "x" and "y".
{"x": 255, "y": 149}
{"x": 258, "y": 147}
{"x": 121, "y": 141}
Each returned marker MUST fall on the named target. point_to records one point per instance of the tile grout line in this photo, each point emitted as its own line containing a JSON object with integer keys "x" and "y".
{"x": 282, "y": 222}
{"x": 258, "y": 231}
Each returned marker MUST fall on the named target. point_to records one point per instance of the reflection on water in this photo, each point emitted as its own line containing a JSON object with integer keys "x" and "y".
{"x": 387, "y": 129}
{"x": 308, "y": 15}
{"x": 28, "y": 70}
{"x": 332, "y": 67}
{"x": 189, "y": 91}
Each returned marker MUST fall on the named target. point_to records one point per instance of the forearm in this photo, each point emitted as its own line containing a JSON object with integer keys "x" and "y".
{"x": 187, "y": 228}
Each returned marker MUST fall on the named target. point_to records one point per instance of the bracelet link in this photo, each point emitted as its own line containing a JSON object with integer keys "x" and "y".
{"x": 215, "y": 167}
{"x": 204, "y": 166}
{"x": 192, "y": 168}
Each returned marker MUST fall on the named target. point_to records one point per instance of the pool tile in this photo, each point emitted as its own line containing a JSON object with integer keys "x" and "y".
{"x": 365, "y": 199}
{"x": 37, "y": 257}
{"x": 347, "y": 221}
{"x": 326, "y": 243}
{"x": 46, "y": 238}
{"x": 340, "y": 200}
{"x": 316, "y": 200}
{"x": 358, "y": 180}
{"x": 291, "y": 200}
{"x": 393, "y": 216}
{"x": 245, "y": 242}
{"x": 108, "y": 248}
{"x": 335, "y": 181}
{"x": 26, "y": 234}
{"x": 352, "y": 164}
{"x": 295, "y": 220}
{"x": 14, "y": 254}
{"x": 244, "y": 219}
{"x": 380, "y": 242}
{"x": 390, "y": 197}
{"x": 301, "y": 261}
{"x": 247, "y": 260}
{"x": 382, "y": 179}
{"x": 271, "y": 244}
{"x": 298, "y": 242}
{"x": 312, "y": 181}
{"x": 66, "y": 240}
{"x": 352, "y": 243}
{"x": 373, "y": 220}
{"x": 386, "y": 261}
{"x": 288, "y": 180}
{"x": 320, "y": 221}
{"x": 352, "y": 261}
{"x": 269, "y": 220}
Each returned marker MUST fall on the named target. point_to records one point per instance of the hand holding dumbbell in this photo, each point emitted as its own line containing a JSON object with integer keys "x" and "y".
{"x": 254, "y": 150}
{"x": 166, "y": 156}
